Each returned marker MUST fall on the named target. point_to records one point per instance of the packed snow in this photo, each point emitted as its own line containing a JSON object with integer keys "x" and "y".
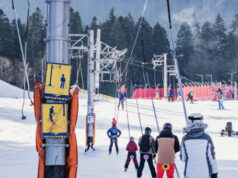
{"x": 20, "y": 159}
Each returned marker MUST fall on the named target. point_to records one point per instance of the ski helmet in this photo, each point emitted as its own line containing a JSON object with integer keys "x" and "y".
{"x": 147, "y": 130}
{"x": 167, "y": 126}
{"x": 195, "y": 118}
{"x": 131, "y": 138}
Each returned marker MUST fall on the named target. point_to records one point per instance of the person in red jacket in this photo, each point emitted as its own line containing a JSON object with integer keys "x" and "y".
{"x": 131, "y": 148}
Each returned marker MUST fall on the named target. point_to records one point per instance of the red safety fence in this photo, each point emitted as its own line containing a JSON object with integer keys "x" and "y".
{"x": 201, "y": 93}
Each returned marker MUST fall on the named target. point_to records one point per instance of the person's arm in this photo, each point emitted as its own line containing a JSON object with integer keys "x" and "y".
{"x": 211, "y": 157}
{"x": 156, "y": 146}
{"x": 183, "y": 154}
{"x": 119, "y": 133}
{"x": 153, "y": 145}
{"x": 176, "y": 144}
{"x": 108, "y": 133}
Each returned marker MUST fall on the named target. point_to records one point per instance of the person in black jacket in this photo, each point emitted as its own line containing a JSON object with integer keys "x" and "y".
{"x": 166, "y": 145}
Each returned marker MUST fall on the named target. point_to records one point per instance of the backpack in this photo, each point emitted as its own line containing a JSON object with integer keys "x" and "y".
{"x": 145, "y": 144}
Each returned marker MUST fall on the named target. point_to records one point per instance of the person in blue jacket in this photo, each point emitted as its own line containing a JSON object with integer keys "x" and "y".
{"x": 113, "y": 133}
{"x": 171, "y": 95}
{"x": 121, "y": 100}
{"x": 220, "y": 99}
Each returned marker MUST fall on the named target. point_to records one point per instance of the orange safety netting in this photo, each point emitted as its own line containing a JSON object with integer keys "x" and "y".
{"x": 37, "y": 107}
{"x": 71, "y": 154}
{"x": 72, "y": 157}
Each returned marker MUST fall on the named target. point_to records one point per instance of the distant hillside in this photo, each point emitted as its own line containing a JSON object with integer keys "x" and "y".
{"x": 182, "y": 9}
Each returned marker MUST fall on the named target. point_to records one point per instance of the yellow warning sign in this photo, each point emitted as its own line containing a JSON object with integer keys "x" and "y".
{"x": 57, "y": 81}
{"x": 54, "y": 120}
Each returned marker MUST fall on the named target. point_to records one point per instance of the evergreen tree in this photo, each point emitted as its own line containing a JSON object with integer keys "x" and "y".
{"x": 160, "y": 40}
{"x": 75, "y": 22}
{"x": 5, "y": 35}
{"x": 233, "y": 45}
{"x": 185, "y": 49}
{"x": 35, "y": 41}
{"x": 221, "y": 48}
{"x": 207, "y": 46}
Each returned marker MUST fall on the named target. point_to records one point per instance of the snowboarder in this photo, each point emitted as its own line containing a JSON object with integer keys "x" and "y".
{"x": 197, "y": 150}
{"x": 167, "y": 145}
{"x": 121, "y": 100}
{"x": 171, "y": 94}
{"x": 131, "y": 148}
{"x": 220, "y": 99}
{"x": 147, "y": 153}
{"x": 62, "y": 81}
{"x": 113, "y": 133}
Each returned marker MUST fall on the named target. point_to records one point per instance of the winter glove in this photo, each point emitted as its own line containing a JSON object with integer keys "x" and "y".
{"x": 214, "y": 175}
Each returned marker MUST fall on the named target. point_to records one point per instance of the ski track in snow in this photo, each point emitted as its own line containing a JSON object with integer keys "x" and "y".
{"x": 17, "y": 138}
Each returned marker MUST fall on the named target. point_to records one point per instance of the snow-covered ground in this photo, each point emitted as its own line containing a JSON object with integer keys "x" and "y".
{"x": 17, "y": 137}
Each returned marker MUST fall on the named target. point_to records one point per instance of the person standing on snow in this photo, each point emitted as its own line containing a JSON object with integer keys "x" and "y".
{"x": 131, "y": 148}
{"x": 147, "y": 153}
{"x": 121, "y": 100}
{"x": 171, "y": 95}
{"x": 197, "y": 150}
{"x": 113, "y": 133}
{"x": 166, "y": 145}
{"x": 220, "y": 99}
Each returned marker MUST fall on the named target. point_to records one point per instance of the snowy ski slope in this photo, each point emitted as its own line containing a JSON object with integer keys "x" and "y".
{"x": 17, "y": 138}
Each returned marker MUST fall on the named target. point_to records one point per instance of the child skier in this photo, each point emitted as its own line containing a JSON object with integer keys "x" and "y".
{"x": 171, "y": 95}
{"x": 220, "y": 99}
{"x": 131, "y": 148}
{"x": 167, "y": 145}
{"x": 197, "y": 150}
{"x": 190, "y": 96}
{"x": 113, "y": 133}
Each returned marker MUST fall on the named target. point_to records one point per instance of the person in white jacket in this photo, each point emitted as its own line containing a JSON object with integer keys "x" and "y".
{"x": 197, "y": 150}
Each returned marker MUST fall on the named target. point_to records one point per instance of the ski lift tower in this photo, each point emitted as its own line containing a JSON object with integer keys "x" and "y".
{"x": 159, "y": 60}
{"x": 57, "y": 44}
{"x": 107, "y": 59}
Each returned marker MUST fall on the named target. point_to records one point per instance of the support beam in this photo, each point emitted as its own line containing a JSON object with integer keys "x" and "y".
{"x": 90, "y": 114}
{"x": 56, "y": 52}
{"x": 165, "y": 76}
{"x": 98, "y": 52}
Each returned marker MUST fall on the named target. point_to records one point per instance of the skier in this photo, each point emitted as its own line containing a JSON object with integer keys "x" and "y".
{"x": 121, "y": 100}
{"x": 190, "y": 96}
{"x": 167, "y": 145}
{"x": 131, "y": 148}
{"x": 113, "y": 133}
{"x": 147, "y": 153}
{"x": 197, "y": 150}
{"x": 171, "y": 93}
{"x": 62, "y": 81}
{"x": 179, "y": 95}
{"x": 220, "y": 99}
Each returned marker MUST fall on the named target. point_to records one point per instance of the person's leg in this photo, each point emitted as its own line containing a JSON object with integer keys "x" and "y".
{"x": 110, "y": 147}
{"x": 141, "y": 166}
{"x": 151, "y": 166}
{"x": 135, "y": 160}
{"x": 122, "y": 104}
{"x": 119, "y": 104}
{"x": 160, "y": 171}
{"x": 116, "y": 145}
{"x": 170, "y": 172}
{"x": 127, "y": 161}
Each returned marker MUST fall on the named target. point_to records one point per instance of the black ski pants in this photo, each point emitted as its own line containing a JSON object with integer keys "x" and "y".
{"x": 142, "y": 163}
{"x": 111, "y": 145}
